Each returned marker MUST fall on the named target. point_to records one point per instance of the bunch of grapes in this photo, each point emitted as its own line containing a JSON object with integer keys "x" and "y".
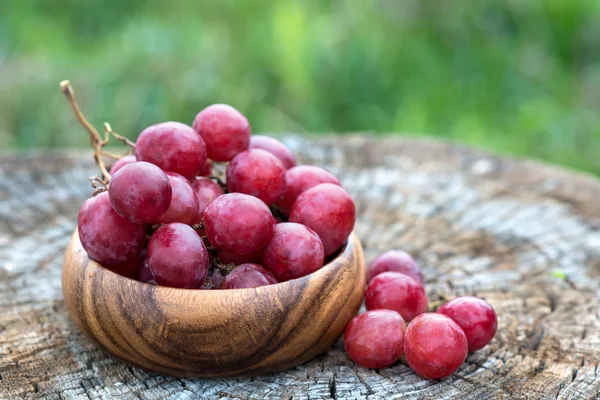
{"x": 210, "y": 206}
{"x": 436, "y": 344}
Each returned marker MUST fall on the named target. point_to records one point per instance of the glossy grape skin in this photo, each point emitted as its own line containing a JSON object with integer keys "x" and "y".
{"x": 375, "y": 339}
{"x": 140, "y": 192}
{"x": 475, "y": 316}
{"x": 206, "y": 191}
{"x": 434, "y": 346}
{"x": 128, "y": 159}
{"x": 258, "y": 173}
{"x": 184, "y": 203}
{"x": 237, "y": 259}
{"x": 396, "y": 261}
{"x": 294, "y": 251}
{"x": 224, "y": 129}
{"x": 238, "y": 223}
{"x": 144, "y": 274}
{"x": 328, "y": 210}
{"x": 274, "y": 147}
{"x": 248, "y": 276}
{"x": 173, "y": 147}
{"x": 107, "y": 237}
{"x": 177, "y": 256}
{"x": 398, "y": 292}
{"x": 301, "y": 178}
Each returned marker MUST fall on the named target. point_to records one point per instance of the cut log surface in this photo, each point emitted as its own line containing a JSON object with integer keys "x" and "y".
{"x": 522, "y": 235}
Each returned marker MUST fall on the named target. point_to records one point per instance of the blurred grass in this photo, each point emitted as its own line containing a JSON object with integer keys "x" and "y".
{"x": 520, "y": 77}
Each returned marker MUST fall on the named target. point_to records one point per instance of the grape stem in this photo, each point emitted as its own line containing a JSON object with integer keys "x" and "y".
{"x": 120, "y": 138}
{"x": 95, "y": 139}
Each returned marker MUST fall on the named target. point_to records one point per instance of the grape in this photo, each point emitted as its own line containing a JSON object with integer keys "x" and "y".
{"x": 206, "y": 191}
{"x": 434, "y": 345}
{"x": 398, "y": 292}
{"x": 248, "y": 276}
{"x": 231, "y": 258}
{"x": 173, "y": 147}
{"x": 375, "y": 339}
{"x": 396, "y": 261}
{"x": 293, "y": 252}
{"x": 258, "y": 173}
{"x": 129, "y": 159}
{"x": 140, "y": 192}
{"x": 476, "y": 318}
{"x": 328, "y": 210}
{"x": 144, "y": 274}
{"x": 206, "y": 169}
{"x": 107, "y": 237}
{"x": 238, "y": 223}
{"x": 274, "y": 147}
{"x": 224, "y": 129}
{"x": 184, "y": 204}
{"x": 301, "y": 178}
{"x": 177, "y": 257}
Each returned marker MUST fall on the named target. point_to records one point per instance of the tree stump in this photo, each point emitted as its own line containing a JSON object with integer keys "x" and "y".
{"x": 522, "y": 235}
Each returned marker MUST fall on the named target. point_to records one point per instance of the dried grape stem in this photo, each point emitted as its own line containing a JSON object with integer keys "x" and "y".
{"x": 95, "y": 139}
{"x": 120, "y": 138}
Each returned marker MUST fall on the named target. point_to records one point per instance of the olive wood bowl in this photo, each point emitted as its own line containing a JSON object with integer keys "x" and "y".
{"x": 210, "y": 333}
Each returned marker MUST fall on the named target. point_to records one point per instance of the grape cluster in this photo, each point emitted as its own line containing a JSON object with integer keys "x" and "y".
{"x": 210, "y": 206}
{"x": 397, "y": 323}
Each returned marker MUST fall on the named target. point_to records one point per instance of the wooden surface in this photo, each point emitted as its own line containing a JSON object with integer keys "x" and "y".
{"x": 206, "y": 333}
{"x": 522, "y": 235}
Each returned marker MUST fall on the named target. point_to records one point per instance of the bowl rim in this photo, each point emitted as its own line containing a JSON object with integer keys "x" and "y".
{"x": 345, "y": 253}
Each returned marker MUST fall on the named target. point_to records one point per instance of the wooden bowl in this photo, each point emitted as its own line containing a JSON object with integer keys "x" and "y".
{"x": 209, "y": 333}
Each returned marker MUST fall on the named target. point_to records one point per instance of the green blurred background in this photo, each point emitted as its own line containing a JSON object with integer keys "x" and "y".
{"x": 515, "y": 76}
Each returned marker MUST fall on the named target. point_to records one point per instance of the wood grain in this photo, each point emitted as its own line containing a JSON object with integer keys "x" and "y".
{"x": 523, "y": 235}
{"x": 208, "y": 333}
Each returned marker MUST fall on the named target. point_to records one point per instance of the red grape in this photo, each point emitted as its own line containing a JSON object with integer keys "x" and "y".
{"x": 238, "y": 223}
{"x": 375, "y": 339}
{"x": 328, "y": 210}
{"x": 184, "y": 204}
{"x": 434, "y": 345}
{"x": 224, "y": 129}
{"x": 274, "y": 147}
{"x": 174, "y": 147}
{"x": 231, "y": 258}
{"x": 258, "y": 173}
{"x": 398, "y": 292}
{"x": 107, "y": 237}
{"x": 128, "y": 159}
{"x": 140, "y": 192}
{"x": 177, "y": 257}
{"x": 206, "y": 169}
{"x": 396, "y": 261}
{"x": 301, "y": 178}
{"x": 206, "y": 191}
{"x": 144, "y": 274}
{"x": 476, "y": 318}
{"x": 293, "y": 252}
{"x": 248, "y": 276}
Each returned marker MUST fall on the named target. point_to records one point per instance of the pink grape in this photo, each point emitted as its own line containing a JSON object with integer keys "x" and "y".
{"x": 328, "y": 210}
{"x": 375, "y": 339}
{"x": 301, "y": 178}
{"x": 248, "y": 276}
{"x": 274, "y": 147}
{"x": 107, "y": 237}
{"x": 398, "y": 292}
{"x": 173, "y": 147}
{"x": 396, "y": 261}
{"x": 206, "y": 191}
{"x": 294, "y": 251}
{"x": 140, "y": 192}
{"x": 224, "y": 129}
{"x": 434, "y": 345}
{"x": 231, "y": 258}
{"x": 238, "y": 223}
{"x": 476, "y": 318}
{"x": 258, "y": 173}
{"x": 184, "y": 203}
{"x": 144, "y": 274}
{"x": 177, "y": 257}
{"x": 128, "y": 159}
